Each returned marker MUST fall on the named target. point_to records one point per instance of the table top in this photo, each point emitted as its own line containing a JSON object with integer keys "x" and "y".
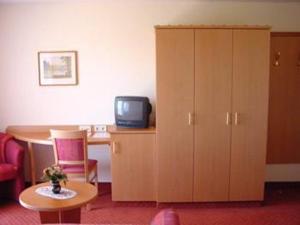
{"x": 41, "y": 134}
{"x": 86, "y": 192}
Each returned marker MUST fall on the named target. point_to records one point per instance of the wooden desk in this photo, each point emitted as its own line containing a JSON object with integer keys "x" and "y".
{"x": 59, "y": 211}
{"x": 40, "y": 135}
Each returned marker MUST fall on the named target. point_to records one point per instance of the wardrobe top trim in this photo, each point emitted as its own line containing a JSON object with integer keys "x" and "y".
{"x": 256, "y": 27}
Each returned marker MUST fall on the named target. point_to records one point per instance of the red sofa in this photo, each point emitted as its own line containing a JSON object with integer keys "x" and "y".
{"x": 11, "y": 168}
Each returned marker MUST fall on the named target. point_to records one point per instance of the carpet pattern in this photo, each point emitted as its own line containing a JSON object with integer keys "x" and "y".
{"x": 281, "y": 207}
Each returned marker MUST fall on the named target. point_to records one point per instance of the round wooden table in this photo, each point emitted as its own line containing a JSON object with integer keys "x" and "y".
{"x": 59, "y": 211}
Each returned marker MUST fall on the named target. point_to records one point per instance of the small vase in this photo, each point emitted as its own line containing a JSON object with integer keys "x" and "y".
{"x": 56, "y": 187}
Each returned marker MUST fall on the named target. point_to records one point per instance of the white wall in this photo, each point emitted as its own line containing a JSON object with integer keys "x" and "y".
{"x": 116, "y": 54}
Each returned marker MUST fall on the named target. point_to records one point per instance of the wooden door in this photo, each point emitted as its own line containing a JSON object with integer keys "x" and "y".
{"x": 250, "y": 109}
{"x": 213, "y": 79}
{"x": 175, "y": 105}
{"x": 284, "y": 110}
{"x": 132, "y": 167}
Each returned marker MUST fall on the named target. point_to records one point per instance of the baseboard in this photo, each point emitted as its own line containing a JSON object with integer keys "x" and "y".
{"x": 282, "y": 173}
{"x": 280, "y": 184}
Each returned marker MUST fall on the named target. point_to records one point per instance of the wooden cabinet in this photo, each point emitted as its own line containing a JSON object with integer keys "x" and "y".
{"x": 212, "y": 100}
{"x": 133, "y": 158}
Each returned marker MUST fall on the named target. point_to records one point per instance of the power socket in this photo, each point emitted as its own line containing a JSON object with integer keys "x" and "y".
{"x": 99, "y": 128}
{"x": 86, "y": 127}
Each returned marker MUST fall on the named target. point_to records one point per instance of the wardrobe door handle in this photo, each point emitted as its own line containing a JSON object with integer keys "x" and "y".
{"x": 228, "y": 122}
{"x": 191, "y": 119}
{"x": 236, "y": 119}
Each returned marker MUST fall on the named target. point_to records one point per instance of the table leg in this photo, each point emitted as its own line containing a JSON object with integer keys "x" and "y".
{"x": 67, "y": 216}
{"x": 49, "y": 217}
{"x": 32, "y": 163}
{"x": 70, "y": 216}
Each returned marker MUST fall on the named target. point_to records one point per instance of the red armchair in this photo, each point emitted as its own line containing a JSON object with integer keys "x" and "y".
{"x": 11, "y": 167}
{"x": 166, "y": 217}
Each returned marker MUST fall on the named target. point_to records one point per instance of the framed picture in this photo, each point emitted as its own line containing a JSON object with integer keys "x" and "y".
{"x": 58, "y": 68}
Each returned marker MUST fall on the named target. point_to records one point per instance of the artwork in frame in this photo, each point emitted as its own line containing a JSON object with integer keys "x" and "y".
{"x": 58, "y": 68}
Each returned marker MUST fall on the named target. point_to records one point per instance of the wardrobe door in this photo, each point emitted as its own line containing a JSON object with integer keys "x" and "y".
{"x": 250, "y": 110}
{"x": 213, "y": 79}
{"x": 175, "y": 105}
{"x": 284, "y": 110}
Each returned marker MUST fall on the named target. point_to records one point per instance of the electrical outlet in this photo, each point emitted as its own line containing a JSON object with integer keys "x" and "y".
{"x": 99, "y": 128}
{"x": 86, "y": 127}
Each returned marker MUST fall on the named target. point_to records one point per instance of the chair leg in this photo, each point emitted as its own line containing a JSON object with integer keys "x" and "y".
{"x": 96, "y": 179}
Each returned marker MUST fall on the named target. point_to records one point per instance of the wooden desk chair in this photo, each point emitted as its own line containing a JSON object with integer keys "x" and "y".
{"x": 70, "y": 152}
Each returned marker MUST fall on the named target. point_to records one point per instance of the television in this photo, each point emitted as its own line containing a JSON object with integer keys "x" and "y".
{"x": 132, "y": 111}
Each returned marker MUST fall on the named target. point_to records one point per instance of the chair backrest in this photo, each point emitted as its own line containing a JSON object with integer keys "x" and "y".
{"x": 70, "y": 148}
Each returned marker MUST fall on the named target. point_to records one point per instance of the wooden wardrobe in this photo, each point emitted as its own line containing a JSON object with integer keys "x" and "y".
{"x": 212, "y": 107}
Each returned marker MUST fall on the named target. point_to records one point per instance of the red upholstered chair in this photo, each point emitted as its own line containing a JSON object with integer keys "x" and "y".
{"x": 11, "y": 168}
{"x": 166, "y": 217}
{"x": 70, "y": 152}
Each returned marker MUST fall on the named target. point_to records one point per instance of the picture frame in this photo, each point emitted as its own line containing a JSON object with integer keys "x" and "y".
{"x": 57, "y": 68}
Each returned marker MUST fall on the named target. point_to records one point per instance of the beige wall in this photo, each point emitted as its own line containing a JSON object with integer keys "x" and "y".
{"x": 116, "y": 54}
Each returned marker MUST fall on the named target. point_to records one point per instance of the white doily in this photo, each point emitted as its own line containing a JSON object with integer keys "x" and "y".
{"x": 64, "y": 193}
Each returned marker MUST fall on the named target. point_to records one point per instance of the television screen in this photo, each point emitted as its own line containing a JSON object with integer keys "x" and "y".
{"x": 130, "y": 110}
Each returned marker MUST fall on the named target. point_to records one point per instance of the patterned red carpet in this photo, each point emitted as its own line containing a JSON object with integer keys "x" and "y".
{"x": 282, "y": 207}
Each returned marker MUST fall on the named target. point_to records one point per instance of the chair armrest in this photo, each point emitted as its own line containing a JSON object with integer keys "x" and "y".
{"x": 14, "y": 153}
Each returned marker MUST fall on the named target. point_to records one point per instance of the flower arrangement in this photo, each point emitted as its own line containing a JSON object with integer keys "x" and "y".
{"x": 54, "y": 174}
